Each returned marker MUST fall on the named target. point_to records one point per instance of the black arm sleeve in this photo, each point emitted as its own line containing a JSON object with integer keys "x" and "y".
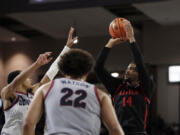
{"x": 144, "y": 77}
{"x": 109, "y": 82}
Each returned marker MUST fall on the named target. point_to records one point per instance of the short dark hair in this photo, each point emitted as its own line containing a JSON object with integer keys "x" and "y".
{"x": 13, "y": 75}
{"x": 76, "y": 63}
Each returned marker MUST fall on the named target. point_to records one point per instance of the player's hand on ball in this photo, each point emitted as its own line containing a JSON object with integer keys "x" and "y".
{"x": 129, "y": 31}
{"x": 112, "y": 42}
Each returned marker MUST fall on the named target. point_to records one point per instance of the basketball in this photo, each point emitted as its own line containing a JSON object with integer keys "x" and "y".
{"x": 117, "y": 29}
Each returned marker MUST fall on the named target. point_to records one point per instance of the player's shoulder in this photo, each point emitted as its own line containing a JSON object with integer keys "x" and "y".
{"x": 47, "y": 85}
{"x": 103, "y": 94}
{"x": 44, "y": 88}
{"x": 4, "y": 90}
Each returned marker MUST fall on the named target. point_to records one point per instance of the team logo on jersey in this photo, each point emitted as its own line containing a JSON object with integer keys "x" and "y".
{"x": 23, "y": 101}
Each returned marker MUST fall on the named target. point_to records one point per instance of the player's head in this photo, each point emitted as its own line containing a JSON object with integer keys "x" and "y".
{"x": 12, "y": 75}
{"x": 131, "y": 72}
{"x": 76, "y": 63}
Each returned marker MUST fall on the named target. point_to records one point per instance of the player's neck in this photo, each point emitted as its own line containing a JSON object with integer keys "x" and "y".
{"x": 78, "y": 79}
{"x": 22, "y": 89}
{"x": 134, "y": 83}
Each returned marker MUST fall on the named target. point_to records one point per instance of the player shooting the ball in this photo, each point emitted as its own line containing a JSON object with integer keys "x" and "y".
{"x": 131, "y": 95}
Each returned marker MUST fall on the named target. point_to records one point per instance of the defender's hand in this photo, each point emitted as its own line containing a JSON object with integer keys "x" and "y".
{"x": 71, "y": 40}
{"x": 44, "y": 59}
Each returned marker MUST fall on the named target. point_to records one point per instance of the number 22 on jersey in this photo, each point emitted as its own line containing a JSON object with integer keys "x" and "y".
{"x": 77, "y": 102}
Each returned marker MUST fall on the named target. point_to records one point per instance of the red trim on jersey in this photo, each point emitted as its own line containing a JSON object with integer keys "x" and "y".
{"x": 21, "y": 93}
{"x": 145, "y": 97}
{"x": 97, "y": 95}
{"x": 145, "y": 118}
{"x": 52, "y": 84}
{"x": 116, "y": 92}
{"x": 15, "y": 102}
{"x": 146, "y": 112}
{"x": 25, "y": 93}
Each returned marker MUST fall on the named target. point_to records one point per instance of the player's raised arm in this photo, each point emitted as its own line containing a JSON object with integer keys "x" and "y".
{"x": 9, "y": 90}
{"x": 53, "y": 70}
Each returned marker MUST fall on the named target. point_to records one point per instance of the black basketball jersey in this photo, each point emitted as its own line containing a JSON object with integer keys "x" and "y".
{"x": 131, "y": 103}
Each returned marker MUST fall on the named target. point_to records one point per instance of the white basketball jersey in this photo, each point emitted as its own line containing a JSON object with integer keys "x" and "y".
{"x": 14, "y": 115}
{"x": 72, "y": 108}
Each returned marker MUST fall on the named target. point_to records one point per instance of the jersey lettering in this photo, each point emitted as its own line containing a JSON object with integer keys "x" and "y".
{"x": 23, "y": 101}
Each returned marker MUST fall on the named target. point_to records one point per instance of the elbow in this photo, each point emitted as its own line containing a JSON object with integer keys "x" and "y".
{"x": 117, "y": 131}
{"x": 122, "y": 132}
{"x": 27, "y": 126}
